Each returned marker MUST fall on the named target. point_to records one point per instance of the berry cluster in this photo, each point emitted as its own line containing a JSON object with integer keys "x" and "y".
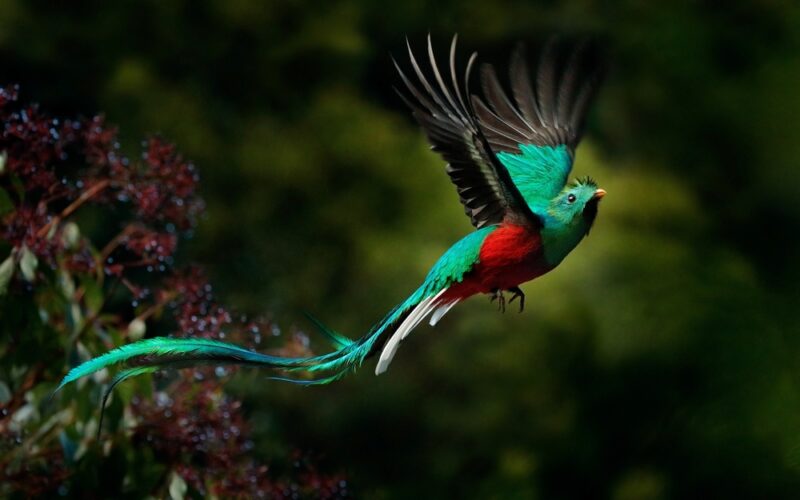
{"x": 90, "y": 292}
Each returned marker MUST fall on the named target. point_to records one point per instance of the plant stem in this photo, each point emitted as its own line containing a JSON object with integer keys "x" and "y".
{"x": 83, "y": 198}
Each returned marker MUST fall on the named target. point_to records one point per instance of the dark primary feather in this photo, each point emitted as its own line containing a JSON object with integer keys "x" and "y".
{"x": 444, "y": 112}
{"x": 551, "y": 112}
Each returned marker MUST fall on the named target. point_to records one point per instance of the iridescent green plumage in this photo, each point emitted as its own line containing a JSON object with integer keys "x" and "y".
{"x": 509, "y": 162}
{"x": 539, "y": 172}
{"x": 163, "y": 350}
{"x": 167, "y": 351}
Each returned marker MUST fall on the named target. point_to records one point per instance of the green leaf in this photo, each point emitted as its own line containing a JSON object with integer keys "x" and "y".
{"x": 177, "y": 487}
{"x": 5, "y": 393}
{"x": 70, "y": 235}
{"x": 67, "y": 284}
{"x": 69, "y": 446}
{"x": 74, "y": 317}
{"x": 93, "y": 295}
{"x": 6, "y": 273}
{"x": 6, "y": 204}
{"x": 28, "y": 263}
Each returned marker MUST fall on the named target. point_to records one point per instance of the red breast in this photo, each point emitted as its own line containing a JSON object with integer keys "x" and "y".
{"x": 509, "y": 256}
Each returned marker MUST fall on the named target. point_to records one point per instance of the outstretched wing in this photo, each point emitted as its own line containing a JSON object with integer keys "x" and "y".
{"x": 535, "y": 136}
{"x": 483, "y": 183}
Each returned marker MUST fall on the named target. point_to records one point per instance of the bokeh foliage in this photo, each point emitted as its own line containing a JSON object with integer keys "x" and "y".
{"x": 660, "y": 360}
{"x": 67, "y": 290}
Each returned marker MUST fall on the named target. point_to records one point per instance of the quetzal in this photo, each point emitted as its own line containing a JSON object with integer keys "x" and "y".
{"x": 509, "y": 160}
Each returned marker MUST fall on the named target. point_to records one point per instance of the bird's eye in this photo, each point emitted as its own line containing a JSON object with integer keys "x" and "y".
{"x": 571, "y": 198}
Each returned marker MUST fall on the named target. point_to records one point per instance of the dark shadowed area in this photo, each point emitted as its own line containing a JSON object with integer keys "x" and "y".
{"x": 660, "y": 360}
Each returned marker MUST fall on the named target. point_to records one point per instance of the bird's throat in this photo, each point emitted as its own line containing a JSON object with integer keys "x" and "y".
{"x": 560, "y": 239}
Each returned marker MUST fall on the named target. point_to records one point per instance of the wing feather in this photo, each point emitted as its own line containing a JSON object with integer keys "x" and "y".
{"x": 546, "y": 85}
{"x": 443, "y": 109}
{"x": 552, "y": 112}
{"x": 536, "y": 134}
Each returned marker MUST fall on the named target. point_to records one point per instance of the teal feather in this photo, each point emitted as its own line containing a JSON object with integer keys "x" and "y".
{"x": 539, "y": 172}
{"x": 451, "y": 267}
{"x": 165, "y": 349}
{"x": 338, "y": 340}
{"x": 457, "y": 261}
{"x": 121, "y": 376}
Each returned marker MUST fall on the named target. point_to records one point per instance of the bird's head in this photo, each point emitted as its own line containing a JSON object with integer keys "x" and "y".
{"x": 576, "y": 204}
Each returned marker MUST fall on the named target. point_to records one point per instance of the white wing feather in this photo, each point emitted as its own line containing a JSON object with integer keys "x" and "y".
{"x": 441, "y": 311}
{"x": 418, "y": 315}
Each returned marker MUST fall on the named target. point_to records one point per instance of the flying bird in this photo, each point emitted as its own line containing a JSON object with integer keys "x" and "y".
{"x": 509, "y": 157}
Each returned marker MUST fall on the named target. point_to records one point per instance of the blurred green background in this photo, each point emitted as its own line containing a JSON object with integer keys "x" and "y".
{"x": 659, "y": 361}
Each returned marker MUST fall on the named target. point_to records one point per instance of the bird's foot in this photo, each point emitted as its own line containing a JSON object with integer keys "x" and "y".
{"x": 497, "y": 295}
{"x": 517, "y": 294}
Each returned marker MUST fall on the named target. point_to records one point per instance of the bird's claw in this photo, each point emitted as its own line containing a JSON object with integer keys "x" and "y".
{"x": 517, "y": 294}
{"x": 497, "y": 295}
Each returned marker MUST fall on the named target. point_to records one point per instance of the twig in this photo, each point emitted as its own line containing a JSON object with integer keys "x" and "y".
{"x": 83, "y": 198}
{"x": 114, "y": 243}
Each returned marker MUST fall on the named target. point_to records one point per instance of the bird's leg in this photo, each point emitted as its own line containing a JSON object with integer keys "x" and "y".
{"x": 497, "y": 295}
{"x": 517, "y": 294}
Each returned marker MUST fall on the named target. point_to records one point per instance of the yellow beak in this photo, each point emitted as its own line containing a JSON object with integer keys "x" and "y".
{"x": 599, "y": 193}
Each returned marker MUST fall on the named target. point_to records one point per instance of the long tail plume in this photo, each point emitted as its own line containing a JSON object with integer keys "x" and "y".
{"x": 149, "y": 355}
